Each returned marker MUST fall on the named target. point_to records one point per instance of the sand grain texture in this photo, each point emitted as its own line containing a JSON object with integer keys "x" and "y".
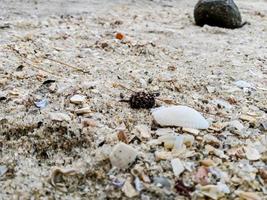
{"x": 162, "y": 51}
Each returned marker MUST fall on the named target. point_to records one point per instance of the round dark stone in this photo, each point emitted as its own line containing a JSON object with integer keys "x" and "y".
{"x": 221, "y": 13}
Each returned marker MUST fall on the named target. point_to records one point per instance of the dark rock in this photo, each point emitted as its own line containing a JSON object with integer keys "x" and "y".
{"x": 142, "y": 100}
{"x": 221, "y": 13}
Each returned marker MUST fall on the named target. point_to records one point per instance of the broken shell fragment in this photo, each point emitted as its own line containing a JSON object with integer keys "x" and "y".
{"x": 162, "y": 182}
{"x": 201, "y": 175}
{"x": 248, "y": 118}
{"x": 188, "y": 140}
{"x": 138, "y": 184}
{"x": 252, "y": 153}
{"x": 191, "y": 130}
{"x": 117, "y": 182}
{"x": 122, "y": 136}
{"x": 182, "y": 116}
{"x": 128, "y": 189}
{"x": 168, "y": 140}
{"x": 163, "y": 155}
{"x": 210, "y": 139}
{"x": 3, "y": 170}
{"x": 137, "y": 170}
{"x": 177, "y": 142}
{"x": 164, "y": 131}
{"x": 215, "y": 191}
{"x": 177, "y": 166}
{"x": 77, "y": 99}
{"x": 207, "y": 162}
{"x": 143, "y": 131}
{"x": 82, "y": 111}
{"x": 237, "y": 125}
{"x": 57, "y": 173}
{"x": 243, "y": 84}
{"x": 122, "y": 156}
{"x": 56, "y": 116}
{"x": 248, "y": 195}
{"x": 41, "y": 104}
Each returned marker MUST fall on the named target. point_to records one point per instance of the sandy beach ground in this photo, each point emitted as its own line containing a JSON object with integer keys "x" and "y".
{"x": 52, "y": 50}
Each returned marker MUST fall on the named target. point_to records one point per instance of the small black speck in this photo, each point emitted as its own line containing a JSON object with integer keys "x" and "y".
{"x": 39, "y": 124}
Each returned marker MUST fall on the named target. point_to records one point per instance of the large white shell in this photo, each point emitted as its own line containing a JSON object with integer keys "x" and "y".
{"x": 179, "y": 116}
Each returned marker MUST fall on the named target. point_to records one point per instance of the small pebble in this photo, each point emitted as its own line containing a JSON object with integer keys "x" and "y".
{"x": 82, "y": 111}
{"x": 77, "y": 99}
{"x": 122, "y": 156}
{"x": 88, "y": 123}
{"x": 57, "y": 116}
{"x": 207, "y": 162}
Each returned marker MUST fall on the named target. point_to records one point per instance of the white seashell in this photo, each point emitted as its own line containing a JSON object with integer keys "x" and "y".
{"x": 177, "y": 166}
{"x": 161, "y": 181}
{"x": 122, "y": 156}
{"x": 179, "y": 116}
